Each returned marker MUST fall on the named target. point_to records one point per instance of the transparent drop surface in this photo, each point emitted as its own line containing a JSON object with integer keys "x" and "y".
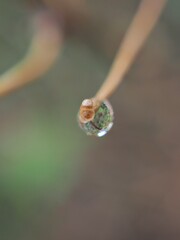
{"x": 102, "y": 121}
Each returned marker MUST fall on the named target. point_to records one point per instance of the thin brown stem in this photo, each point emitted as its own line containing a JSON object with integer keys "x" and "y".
{"x": 142, "y": 24}
{"x": 42, "y": 53}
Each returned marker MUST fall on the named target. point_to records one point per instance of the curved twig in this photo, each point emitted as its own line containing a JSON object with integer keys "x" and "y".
{"x": 43, "y": 52}
{"x": 142, "y": 25}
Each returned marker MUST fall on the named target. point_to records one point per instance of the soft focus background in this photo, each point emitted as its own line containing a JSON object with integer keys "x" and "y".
{"x": 57, "y": 183}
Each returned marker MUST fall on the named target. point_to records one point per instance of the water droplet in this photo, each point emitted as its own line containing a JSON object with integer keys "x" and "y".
{"x": 101, "y": 123}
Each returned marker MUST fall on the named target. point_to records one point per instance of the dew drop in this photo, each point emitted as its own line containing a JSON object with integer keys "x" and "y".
{"x": 102, "y": 122}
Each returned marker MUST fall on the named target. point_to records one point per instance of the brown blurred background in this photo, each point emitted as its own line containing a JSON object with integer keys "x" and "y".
{"x": 57, "y": 183}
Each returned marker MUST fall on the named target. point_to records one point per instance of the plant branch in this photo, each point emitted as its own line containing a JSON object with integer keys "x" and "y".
{"x": 145, "y": 19}
{"x": 44, "y": 50}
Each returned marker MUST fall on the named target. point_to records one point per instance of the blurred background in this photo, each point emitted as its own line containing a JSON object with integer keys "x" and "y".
{"x": 57, "y": 183}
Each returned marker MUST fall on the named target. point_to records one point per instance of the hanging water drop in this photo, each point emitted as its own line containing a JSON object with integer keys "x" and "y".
{"x": 95, "y": 121}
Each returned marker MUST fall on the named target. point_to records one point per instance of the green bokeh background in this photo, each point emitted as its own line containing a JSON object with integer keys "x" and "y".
{"x": 50, "y": 172}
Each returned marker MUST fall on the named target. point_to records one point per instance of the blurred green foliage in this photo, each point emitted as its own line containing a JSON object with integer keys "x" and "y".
{"x": 38, "y": 155}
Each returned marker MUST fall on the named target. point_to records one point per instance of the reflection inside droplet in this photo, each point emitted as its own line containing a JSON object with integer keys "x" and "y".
{"x": 101, "y": 123}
